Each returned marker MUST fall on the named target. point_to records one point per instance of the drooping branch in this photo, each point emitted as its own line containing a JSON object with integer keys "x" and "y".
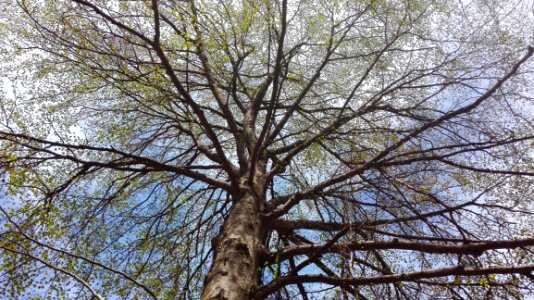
{"x": 399, "y": 277}
{"x": 126, "y": 161}
{"x": 474, "y": 248}
{"x": 56, "y": 268}
{"x": 76, "y": 256}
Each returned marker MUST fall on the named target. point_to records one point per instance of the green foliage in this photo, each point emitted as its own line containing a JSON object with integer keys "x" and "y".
{"x": 121, "y": 155}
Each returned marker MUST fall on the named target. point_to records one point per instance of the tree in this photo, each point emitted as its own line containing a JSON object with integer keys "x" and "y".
{"x": 371, "y": 149}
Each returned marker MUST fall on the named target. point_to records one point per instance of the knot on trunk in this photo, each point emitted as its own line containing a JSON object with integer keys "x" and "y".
{"x": 235, "y": 245}
{"x": 219, "y": 296}
{"x": 215, "y": 242}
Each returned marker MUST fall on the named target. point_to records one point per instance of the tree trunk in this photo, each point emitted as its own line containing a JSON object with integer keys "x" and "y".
{"x": 234, "y": 272}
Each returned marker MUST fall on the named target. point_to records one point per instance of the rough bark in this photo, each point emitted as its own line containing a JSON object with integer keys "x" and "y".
{"x": 234, "y": 272}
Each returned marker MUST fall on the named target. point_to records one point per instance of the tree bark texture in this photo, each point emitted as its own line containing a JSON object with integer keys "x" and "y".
{"x": 234, "y": 272}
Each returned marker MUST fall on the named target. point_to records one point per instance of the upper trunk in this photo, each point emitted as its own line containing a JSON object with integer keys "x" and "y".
{"x": 234, "y": 272}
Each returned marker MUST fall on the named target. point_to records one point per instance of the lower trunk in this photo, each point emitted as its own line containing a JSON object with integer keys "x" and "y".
{"x": 234, "y": 272}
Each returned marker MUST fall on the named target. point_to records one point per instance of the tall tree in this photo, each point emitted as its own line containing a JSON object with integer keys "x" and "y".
{"x": 345, "y": 149}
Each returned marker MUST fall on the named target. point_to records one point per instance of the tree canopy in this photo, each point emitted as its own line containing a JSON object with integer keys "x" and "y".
{"x": 222, "y": 149}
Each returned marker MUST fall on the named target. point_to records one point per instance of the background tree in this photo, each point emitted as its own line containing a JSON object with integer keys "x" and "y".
{"x": 266, "y": 149}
